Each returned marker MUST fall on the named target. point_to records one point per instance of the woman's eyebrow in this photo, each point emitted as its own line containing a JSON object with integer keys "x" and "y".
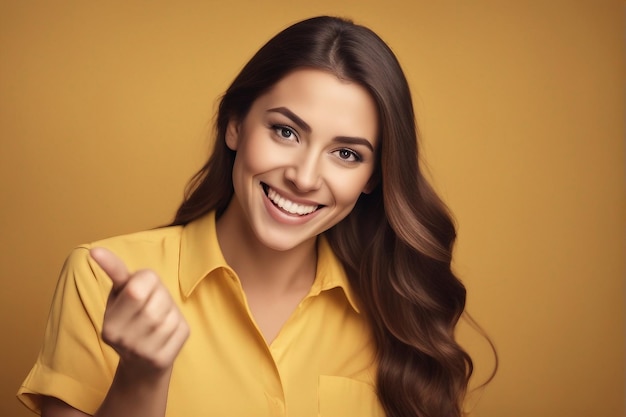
{"x": 296, "y": 119}
{"x": 305, "y": 126}
{"x": 350, "y": 140}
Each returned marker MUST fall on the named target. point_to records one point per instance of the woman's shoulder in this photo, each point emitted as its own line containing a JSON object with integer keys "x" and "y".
{"x": 144, "y": 238}
{"x": 154, "y": 249}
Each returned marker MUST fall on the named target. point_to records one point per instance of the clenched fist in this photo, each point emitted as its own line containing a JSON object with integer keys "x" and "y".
{"x": 141, "y": 322}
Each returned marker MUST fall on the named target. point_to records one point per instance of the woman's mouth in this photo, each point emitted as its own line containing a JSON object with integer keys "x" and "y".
{"x": 287, "y": 205}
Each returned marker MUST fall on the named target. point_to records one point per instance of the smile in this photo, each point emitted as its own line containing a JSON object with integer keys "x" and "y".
{"x": 287, "y": 205}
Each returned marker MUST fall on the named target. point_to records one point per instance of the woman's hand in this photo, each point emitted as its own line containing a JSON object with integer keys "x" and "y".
{"x": 146, "y": 328}
{"x": 141, "y": 322}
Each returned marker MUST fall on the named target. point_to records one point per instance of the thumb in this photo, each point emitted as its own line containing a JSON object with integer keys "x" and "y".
{"x": 112, "y": 265}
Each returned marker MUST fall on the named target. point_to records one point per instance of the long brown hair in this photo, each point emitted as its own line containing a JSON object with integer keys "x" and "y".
{"x": 397, "y": 242}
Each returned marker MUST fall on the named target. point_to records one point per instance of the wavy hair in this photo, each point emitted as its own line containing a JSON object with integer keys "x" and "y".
{"x": 396, "y": 244}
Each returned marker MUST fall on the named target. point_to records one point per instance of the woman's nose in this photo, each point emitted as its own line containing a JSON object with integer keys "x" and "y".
{"x": 304, "y": 173}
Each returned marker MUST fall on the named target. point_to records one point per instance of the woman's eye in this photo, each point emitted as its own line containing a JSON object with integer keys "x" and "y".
{"x": 348, "y": 155}
{"x": 284, "y": 132}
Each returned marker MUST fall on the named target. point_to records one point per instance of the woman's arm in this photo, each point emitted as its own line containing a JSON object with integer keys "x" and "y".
{"x": 128, "y": 396}
{"x": 146, "y": 328}
{"x": 53, "y": 407}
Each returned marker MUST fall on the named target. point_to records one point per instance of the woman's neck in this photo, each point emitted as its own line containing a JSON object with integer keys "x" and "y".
{"x": 260, "y": 267}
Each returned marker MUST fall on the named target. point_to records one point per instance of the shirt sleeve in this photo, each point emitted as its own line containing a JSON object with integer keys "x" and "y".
{"x": 74, "y": 364}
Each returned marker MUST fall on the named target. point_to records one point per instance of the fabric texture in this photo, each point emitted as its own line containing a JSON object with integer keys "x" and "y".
{"x": 322, "y": 363}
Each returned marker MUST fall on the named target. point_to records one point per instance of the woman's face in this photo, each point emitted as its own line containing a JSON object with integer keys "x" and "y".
{"x": 306, "y": 150}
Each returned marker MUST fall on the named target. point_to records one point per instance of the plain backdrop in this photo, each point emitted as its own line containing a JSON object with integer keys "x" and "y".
{"x": 106, "y": 110}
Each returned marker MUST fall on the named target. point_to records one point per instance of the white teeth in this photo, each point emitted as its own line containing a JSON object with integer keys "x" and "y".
{"x": 288, "y": 205}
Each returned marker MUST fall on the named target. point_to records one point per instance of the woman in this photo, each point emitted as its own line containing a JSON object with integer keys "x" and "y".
{"x": 310, "y": 259}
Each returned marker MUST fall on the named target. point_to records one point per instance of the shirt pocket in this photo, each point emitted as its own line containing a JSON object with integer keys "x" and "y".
{"x": 345, "y": 397}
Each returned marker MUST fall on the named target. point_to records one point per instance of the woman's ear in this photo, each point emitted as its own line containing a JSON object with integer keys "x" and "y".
{"x": 232, "y": 135}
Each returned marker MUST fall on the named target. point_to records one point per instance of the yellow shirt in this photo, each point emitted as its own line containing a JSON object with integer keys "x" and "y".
{"x": 321, "y": 364}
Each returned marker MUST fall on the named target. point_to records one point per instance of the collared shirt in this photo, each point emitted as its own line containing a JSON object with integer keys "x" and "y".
{"x": 322, "y": 362}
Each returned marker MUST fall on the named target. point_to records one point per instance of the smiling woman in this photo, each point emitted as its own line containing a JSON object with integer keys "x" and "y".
{"x": 305, "y": 153}
{"x": 307, "y": 270}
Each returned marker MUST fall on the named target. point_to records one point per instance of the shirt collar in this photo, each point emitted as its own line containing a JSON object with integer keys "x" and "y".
{"x": 200, "y": 255}
{"x": 331, "y": 274}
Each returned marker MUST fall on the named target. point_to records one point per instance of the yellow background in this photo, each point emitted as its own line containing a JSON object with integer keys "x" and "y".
{"x": 105, "y": 109}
